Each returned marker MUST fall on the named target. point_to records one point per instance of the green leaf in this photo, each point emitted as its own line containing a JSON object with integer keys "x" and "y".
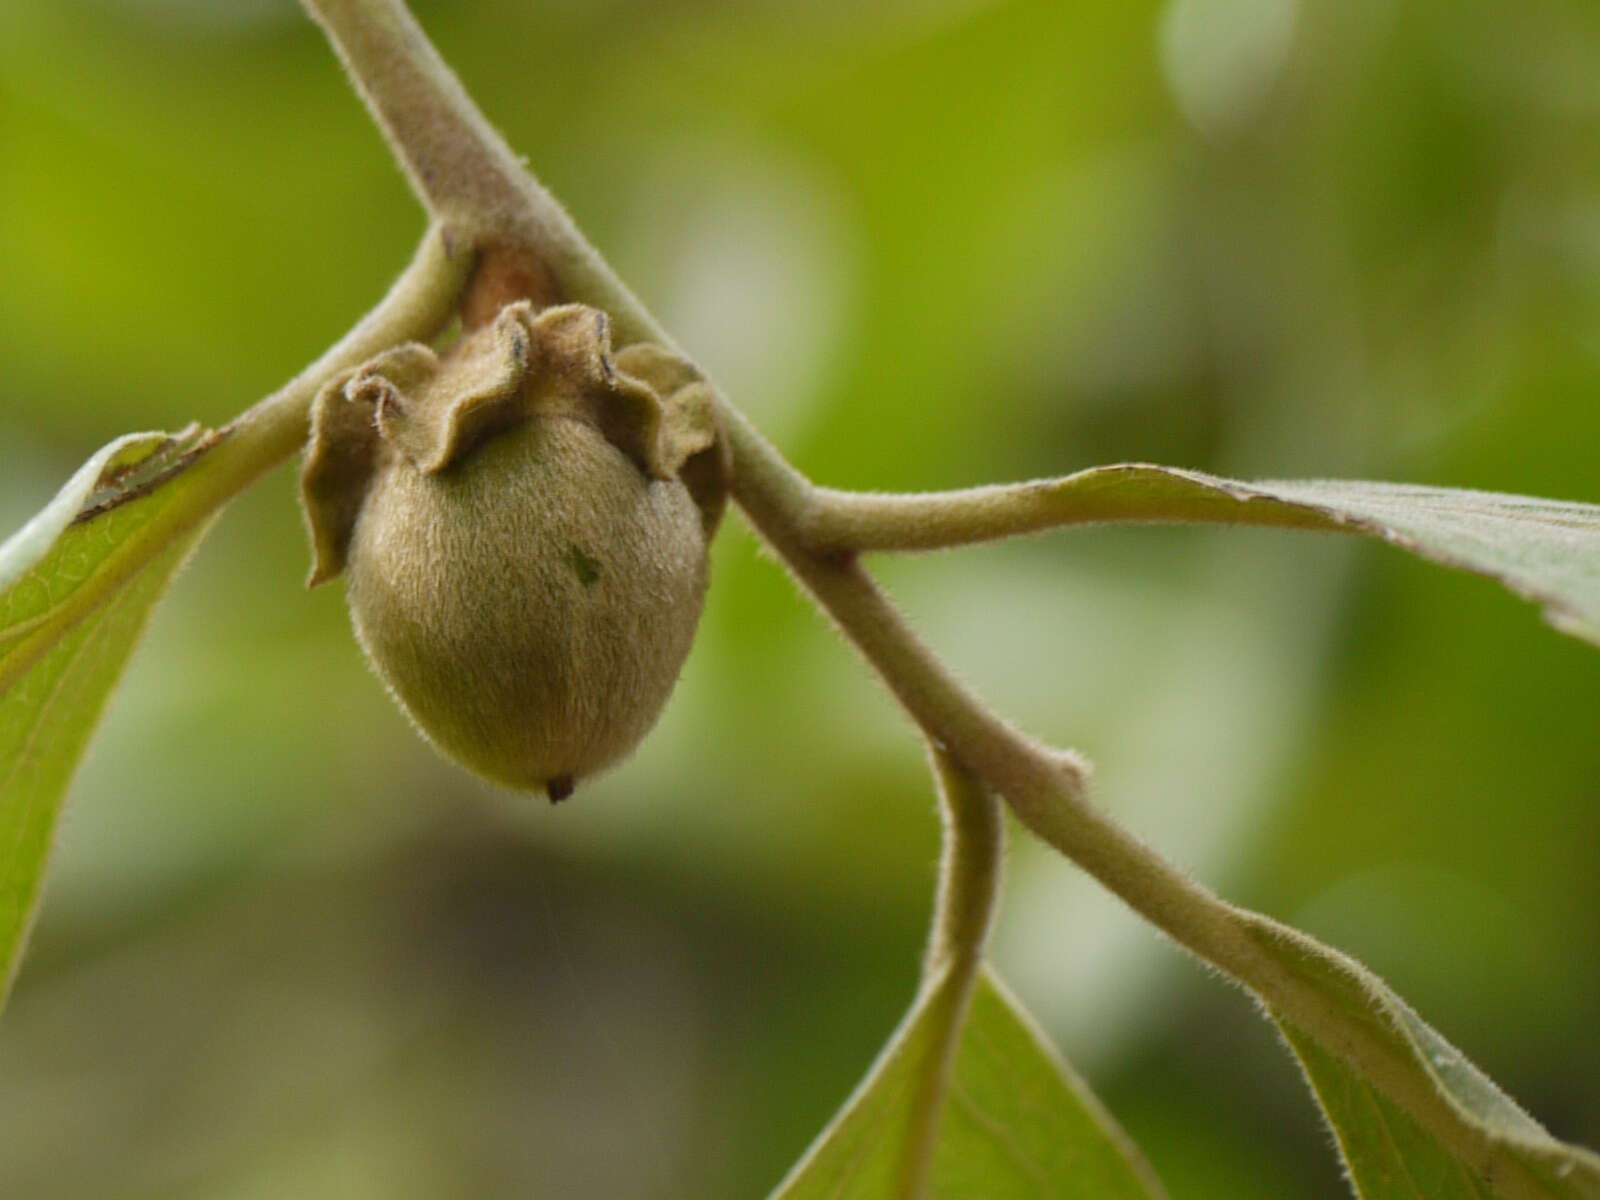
{"x": 77, "y": 585}
{"x": 103, "y": 528}
{"x": 1415, "y": 1120}
{"x": 1544, "y": 550}
{"x": 1017, "y": 1122}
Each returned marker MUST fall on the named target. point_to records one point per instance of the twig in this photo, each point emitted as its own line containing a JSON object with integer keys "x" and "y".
{"x": 963, "y": 914}
{"x": 837, "y": 522}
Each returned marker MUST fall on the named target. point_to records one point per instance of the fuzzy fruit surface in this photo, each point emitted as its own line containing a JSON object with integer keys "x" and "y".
{"x": 532, "y": 605}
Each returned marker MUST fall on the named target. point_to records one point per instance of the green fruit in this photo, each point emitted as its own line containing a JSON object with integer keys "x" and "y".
{"x": 526, "y": 566}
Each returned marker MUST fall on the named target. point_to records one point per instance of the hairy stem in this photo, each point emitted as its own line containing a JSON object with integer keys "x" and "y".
{"x": 418, "y": 305}
{"x": 970, "y": 868}
{"x": 839, "y": 522}
{"x": 964, "y": 910}
{"x": 459, "y": 167}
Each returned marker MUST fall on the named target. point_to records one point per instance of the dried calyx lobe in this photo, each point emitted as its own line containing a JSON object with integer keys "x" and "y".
{"x": 523, "y": 521}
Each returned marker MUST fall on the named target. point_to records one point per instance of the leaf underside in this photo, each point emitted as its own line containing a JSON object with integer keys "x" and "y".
{"x": 1017, "y": 1123}
{"x": 46, "y": 719}
{"x": 93, "y": 538}
{"x": 1481, "y": 1144}
{"x": 77, "y": 586}
{"x": 1546, "y": 551}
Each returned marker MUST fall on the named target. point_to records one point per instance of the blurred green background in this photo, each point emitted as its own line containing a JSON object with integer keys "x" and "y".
{"x": 286, "y": 951}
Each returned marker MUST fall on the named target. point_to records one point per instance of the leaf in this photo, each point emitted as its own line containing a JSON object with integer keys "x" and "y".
{"x": 1018, "y": 1113}
{"x": 1546, "y": 551}
{"x": 1458, "y": 1134}
{"x": 1017, "y": 1122}
{"x": 46, "y": 718}
{"x": 99, "y": 531}
{"x": 77, "y": 585}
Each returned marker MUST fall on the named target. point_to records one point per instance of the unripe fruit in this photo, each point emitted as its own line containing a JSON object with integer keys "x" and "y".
{"x": 524, "y": 524}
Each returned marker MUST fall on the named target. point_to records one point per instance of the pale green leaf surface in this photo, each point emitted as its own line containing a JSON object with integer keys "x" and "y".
{"x": 1547, "y": 551}
{"x": 1018, "y": 1114}
{"x": 23, "y": 549}
{"x": 77, "y": 584}
{"x": 1473, "y": 1141}
{"x": 1017, "y": 1122}
{"x": 98, "y": 532}
{"x": 1387, "y": 1154}
{"x": 46, "y": 719}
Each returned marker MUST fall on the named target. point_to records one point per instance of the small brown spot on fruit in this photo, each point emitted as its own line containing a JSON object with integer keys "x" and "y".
{"x": 583, "y": 566}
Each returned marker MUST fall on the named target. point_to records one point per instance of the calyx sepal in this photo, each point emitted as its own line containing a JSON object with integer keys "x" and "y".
{"x": 434, "y": 409}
